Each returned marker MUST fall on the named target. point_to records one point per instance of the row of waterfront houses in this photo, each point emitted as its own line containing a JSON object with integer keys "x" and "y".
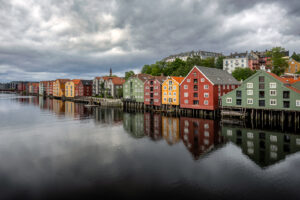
{"x": 209, "y": 88}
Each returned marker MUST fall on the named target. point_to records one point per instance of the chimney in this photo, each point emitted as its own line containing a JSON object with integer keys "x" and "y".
{"x": 110, "y": 72}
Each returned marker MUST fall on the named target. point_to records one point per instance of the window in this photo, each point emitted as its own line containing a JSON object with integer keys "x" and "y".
{"x": 170, "y": 100}
{"x": 170, "y": 87}
{"x": 206, "y": 95}
{"x": 165, "y": 99}
{"x": 286, "y": 104}
{"x": 170, "y": 93}
{"x": 188, "y": 80}
{"x": 165, "y": 93}
{"x": 273, "y": 93}
{"x": 185, "y": 86}
{"x": 195, "y": 74}
{"x": 195, "y": 87}
{"x": 165, "y": 87}
{"x": 174, "y": 99}
{"x": 249, "y": 85}
{"x": 250, "y": 101}
{"x": 196, "y": 102}
{"x": 262, "y": 86}
{"x": 202, "y": 80}
{"x": 249, "y": 92}
{"x": 233, "y": 86}
{"x": 174, "y": 93}
{"x": 195, "y": 94}
{"x": 286, "y": 94}
{"x": 195, "y": 81}
{"x": 228, "y": 100}
{"x": 238, "y": 93}
{"x": 206, "y": 87}
{"x": 174, "y": 87}
{"x": 186, "y": 101}
{"x": 186, "y": 94}
{"x": 205, "y": 102}
{"x": 239, "y": 102}
{"x": 273, "y": 102}
{"x": 298, "y": 103}
{"x": 170, "y": 82}
{"x": 272, "y": 85}
{"x": 261, "y": 103}
{"x": 261, "y": 79}
{"x": 261, "y": 94}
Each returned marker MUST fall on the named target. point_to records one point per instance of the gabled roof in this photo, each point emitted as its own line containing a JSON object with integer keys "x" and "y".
{"x": 285, "y": 82}
{"x": 76, "y": 81}
{"x": 118, "y": 81}
{"x": 143, "y": 77}
{"x": 97, "y": 77}
{"x": 63, "y": 80}
{"x": 218, "y": 76}
{"x": 178, "y": 79}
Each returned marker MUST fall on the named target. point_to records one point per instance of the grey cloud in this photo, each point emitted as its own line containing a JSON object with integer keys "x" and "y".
{"x": 78, "y": 37}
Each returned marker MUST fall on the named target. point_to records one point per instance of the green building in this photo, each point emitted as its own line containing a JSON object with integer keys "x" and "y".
{"x": 264, "y": 90}
{"x": 265, "y": 148}
{"x": 133, "y": 88}
{"x": 133, "y": 124}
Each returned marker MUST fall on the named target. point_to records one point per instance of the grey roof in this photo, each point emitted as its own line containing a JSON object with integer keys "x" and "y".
{"x": 87, "y": 82}
{"x": 218, "y": 76}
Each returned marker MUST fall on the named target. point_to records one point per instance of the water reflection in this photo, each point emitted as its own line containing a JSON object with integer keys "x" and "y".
{"x": 265, "y": 148}
{"x": 200, "y": 136}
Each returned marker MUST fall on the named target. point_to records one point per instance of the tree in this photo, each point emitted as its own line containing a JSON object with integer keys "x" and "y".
{"x": 119, "y": 93}
{"x": 242, "y": 73}
{"x": 219, "y": 62}
{"x": 208, "y": 62}
{"x": 279, "y": 63}
{"x": 296, "y": 57}
{"x": 129, "y": 74}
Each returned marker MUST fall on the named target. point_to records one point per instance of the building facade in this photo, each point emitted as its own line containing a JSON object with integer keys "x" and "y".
{"x": 170, "y": 90}
{"x": 203, "y": 87}
{"x": 233, "y": 61}
{"x": 184, "y": 56}
{"x": 264, "y": 90}
{"x": 152, "y": 88}
{"x": 49, "y": 88}
{"x": 133, "y": 88}
{"x": 43, "y": 88}
{"x": 59, "y": 87}
{"x": 294, "y": 66}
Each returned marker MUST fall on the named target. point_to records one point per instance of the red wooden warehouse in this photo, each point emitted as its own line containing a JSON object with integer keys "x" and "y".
{"x": 84, "y": 88}
{"x": 152, "y": 91}
{"x": 203, "y": 87}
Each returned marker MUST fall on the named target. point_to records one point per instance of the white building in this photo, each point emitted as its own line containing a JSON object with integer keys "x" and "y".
{"x": 230, "y": 63}
{"x": 186, "y": 55}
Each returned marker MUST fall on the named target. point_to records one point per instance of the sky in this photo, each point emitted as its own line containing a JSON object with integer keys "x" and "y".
{"x": 50, "y": 39}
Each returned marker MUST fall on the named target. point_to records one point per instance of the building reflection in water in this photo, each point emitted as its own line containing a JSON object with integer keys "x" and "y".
{"x": 134, "y": 124}
{"x": 152, "y": 125}
{"x": 200, "y": 136}
{"x": 170, "y": 129}
{"x": 265, "y": 148}
{"x": 108, "y": 116}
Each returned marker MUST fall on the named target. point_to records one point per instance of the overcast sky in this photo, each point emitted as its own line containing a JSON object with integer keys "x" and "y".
{"x": 49, "y": 39}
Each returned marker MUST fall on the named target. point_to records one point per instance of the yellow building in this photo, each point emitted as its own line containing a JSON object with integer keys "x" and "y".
{"x": 170, "y": 129}
{"x": 293, "y": 67}
{"x": 70, "y": 87}
{"x": 170, "y": 90}
{"x": 59, "y": 87}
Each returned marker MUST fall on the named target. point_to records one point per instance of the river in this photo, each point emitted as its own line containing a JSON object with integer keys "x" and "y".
{"x": 50, "y": 149}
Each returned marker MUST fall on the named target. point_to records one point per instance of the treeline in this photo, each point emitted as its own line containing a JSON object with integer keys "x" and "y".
{"x": 180, "y": 67}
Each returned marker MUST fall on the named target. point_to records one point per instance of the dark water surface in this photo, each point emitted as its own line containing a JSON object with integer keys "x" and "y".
{"x": 51, "y": 149}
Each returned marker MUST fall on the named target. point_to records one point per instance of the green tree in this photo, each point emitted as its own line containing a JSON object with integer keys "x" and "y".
{"x": 129, "y": 74}
{"x": 296, "y": 57}
{"x": 242, "y": 73}
{"x": 119, "y": 92}
{"x": 208, "y": 62}
{"x": 279, "y": 63}
{"x": 219, "y": 62}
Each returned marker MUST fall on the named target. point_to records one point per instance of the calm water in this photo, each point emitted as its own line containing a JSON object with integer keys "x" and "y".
{"x": 51, "y": 149}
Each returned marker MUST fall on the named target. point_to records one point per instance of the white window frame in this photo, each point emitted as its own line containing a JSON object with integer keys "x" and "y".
{"x": 206, "y": 87}
{"x": 174, "y": 93}
{"x": 249, "y": 92}
{"x": 249, "y": 85}
{"x": 185, "y": 87}
{"x": 202, "y": 80}
{"x": 186, "y": 94}
{"x": 186, "y": 101}
{"x": 297, "y": 103}
{"x": 228, "y": 100}
{"x": 174, "y": 99}
{"x": 273, "y": 85}
{"x": 205, "y": 102}
{"x": 165, "y": 87}
{"x": 273, "y": 94}
{"x": 188, "y": 80}
{"x": 275, "y": 100}
{"x": 174, "y": 87}
{"x": 206, "y": 95}
{"x": 249, "y": 101}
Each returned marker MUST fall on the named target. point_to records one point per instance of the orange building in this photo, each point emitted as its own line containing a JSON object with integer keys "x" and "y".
{"x": 170, "y": 90}
{"x": 59, "y": 87}
{"x": 294, "y": 66}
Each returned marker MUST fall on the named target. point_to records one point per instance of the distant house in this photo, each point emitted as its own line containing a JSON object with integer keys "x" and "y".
{"x": 59, "y": 87}
{"x": 203, "y": 87}
{"x": 43, "y": 88}
{"x": 294, "y": 66}
{"x": 264, "y": 90}
{"x": 133, "y": 88}
{"x": 184, "y": 56}
{"x": 78, "y": 88}
{"x": 233, "y": 61}
{"x": 49, "y": 88}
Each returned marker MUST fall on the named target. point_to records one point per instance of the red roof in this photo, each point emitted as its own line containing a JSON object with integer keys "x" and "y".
{"x": 285, "y": 81}
{"x": 178, "y": 79}
{"x": 76, "y": 81}
{"x": 118, "y": 81}
{"x": 292, "y": 80}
